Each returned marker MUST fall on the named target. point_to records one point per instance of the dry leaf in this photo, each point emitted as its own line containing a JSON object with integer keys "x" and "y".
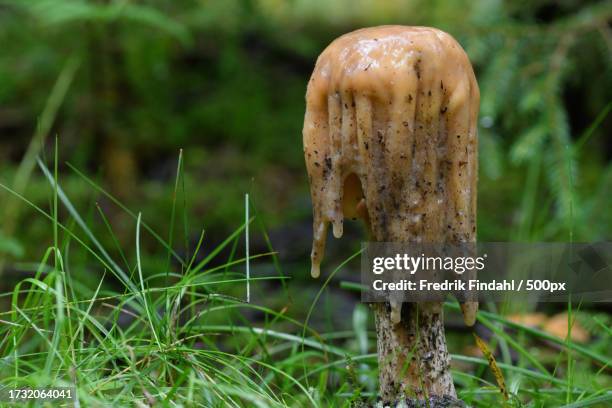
{"x": 529, "y": 319}
{"x": 558, "y": 326}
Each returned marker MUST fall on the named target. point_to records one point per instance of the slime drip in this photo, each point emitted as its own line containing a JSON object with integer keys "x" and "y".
{"x": 391, "y": 115}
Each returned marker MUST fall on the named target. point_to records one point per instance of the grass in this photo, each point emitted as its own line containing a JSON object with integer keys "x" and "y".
{"x": 187, "y": 337}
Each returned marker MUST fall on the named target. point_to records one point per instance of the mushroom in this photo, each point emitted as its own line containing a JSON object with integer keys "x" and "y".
{"x": 390, "y": 137}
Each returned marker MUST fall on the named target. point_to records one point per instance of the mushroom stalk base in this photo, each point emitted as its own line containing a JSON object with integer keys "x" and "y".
{"x": 412, "y": 356}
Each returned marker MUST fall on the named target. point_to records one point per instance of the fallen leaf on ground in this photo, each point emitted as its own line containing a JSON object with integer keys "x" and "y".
{"x": 557, "y": 325}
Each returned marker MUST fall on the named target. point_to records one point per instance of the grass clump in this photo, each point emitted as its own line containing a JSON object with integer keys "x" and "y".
{"x": 185, "y": 336}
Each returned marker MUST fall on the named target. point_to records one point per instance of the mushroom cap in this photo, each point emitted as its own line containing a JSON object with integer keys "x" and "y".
{"x": 380, "y": 62}
{"x": 391, "y": 116}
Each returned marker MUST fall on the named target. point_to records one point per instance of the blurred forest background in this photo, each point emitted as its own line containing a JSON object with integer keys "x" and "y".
{"x": 124, "y": 85}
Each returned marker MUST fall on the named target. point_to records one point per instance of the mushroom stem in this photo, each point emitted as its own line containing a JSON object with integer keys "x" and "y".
{"x": 412, "y": 356}
{"x": 391, "y": 117}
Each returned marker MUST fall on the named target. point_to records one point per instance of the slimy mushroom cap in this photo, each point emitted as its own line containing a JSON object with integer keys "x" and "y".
{"x": 391, "y": 120}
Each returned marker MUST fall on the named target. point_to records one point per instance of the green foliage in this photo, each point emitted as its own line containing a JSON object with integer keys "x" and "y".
{"x": 185, "y": 337}
{"x": 50, "y": 13}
